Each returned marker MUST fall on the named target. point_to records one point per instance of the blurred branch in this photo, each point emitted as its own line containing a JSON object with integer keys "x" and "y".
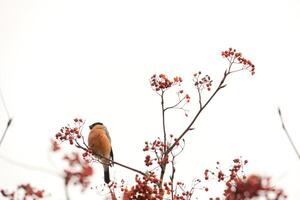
{"x": 29, "y": 167}
{"x": 287, "y": 134}
{"x": 5, "y": 131}
{"x": 66, "y": 192}
{"x": 4, "y": 104}
{"x": 9, "y": 118}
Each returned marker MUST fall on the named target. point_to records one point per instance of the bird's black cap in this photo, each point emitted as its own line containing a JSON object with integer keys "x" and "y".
{"x": 94, "y": 124}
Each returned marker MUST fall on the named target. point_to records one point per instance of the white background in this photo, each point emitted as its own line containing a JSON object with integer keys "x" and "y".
{"x": 62, "y": 59}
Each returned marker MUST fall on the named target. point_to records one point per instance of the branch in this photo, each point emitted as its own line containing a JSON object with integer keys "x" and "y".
{"x": 172, "y": 175}
{"x": 4, "y": 104}
{"x": 5, "y": 131}
{"x": 175, "y": 105}
{"x": 9, "y": 118}
{"x": 111, "y": 161}
{"x": 163, "y": 165}
{"x": 287, "y": 134}
{"x": 221, "y": 85}
{"x": 199, "y": 96}
{"x": 67, "y": 195}
{"x": 164, "y": 120}
{"x": 29, "y": 167}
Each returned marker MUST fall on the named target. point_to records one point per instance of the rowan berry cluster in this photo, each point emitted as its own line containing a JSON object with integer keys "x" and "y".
{"x": 238, "y": 186}
{"x": 162, "y": 82}
{"x": 253, "y": 186}
{"x": 183, "y": 96}
{"x": 181, "y": 193}
{"x": 232, "y": 55}
{"x": 157, "y": 147}
{"x": 88, "y": 155}
{"x": 79, "y": 171}
{"x": 146, "y": 188}
{"x": 202, "y": 82}
{"x": 69, "y": 132}
{"x": 23, "y": 191}
{"x": 54, "y": 146}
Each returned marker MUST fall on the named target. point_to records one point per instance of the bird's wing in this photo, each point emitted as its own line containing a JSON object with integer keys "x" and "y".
{"x": 107, "y": 133}
{"x": 112, "y": 156}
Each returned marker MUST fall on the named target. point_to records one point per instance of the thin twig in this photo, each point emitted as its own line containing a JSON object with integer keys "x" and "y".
{"x": 172, "y": 175}
{"x": 175, "y": 105}
{"x": 196, "y": 80}
{"x": 83, "y": 141}
{"x": 237, "y": 70}
{"x": 199, "y": 96}
{"x": 287, "y": 134}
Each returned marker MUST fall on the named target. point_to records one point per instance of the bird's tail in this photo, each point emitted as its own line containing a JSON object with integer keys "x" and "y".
{"x": 106, "y": 174}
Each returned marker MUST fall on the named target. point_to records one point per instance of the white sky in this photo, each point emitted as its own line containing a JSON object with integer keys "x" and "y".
{"x": 62, "y": 59}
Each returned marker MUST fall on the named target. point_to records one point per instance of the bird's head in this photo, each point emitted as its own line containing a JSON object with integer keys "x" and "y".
{"x": 95, "y": 124}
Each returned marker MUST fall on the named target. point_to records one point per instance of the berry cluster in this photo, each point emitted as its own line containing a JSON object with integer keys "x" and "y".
{"x": 70, "y": 133}
{"x": 88, "y": 155}
{"x": 238, "y": 186}
{"x": 202, "y": 82}
{"x": 55, "y": 146}
{"x": 162, "y": 82}
{"x": 232, "y": 55}
{"x": 79, "y": 171}
{"x": 181, "y": 193}
{"x": 146, "y": 188}
{"x": 253, "y": 186}
{"x": 25, "y": 191}
{"x": 183, "y": 96}
{"x": 157, "y": 147}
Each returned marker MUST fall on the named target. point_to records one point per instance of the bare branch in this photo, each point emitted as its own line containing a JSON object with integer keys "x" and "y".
{"x": 172, "y": 175}
{"x": 5, "y": 131}
{"x": 287, "y": 134}
{"x": 199, "y": 96}
{"x": 175, "y": 105}
{"x": 66, "y": 192}
{"x": 4, "y": 104}
{"x": 221, "y": 85}
{"x": 164, "y": 120}
{"x": 111, "y": 161}
{"x": 9, "y": 118}
{"x": 29, "y": 167}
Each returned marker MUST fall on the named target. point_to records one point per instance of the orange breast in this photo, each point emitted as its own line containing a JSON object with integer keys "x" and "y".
{"x": 99, "y": 142}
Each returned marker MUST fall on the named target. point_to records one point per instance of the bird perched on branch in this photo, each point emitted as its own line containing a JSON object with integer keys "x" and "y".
{"x": 100, "y": 143}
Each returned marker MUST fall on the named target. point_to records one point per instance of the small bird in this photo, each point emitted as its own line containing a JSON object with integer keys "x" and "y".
{"x": 100, "y": 143}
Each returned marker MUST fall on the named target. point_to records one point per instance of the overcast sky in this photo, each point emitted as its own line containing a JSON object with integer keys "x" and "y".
{"x": 62, "y": 59}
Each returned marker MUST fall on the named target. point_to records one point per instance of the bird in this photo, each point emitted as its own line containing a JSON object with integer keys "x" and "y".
{"x": 99, "y": 142}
